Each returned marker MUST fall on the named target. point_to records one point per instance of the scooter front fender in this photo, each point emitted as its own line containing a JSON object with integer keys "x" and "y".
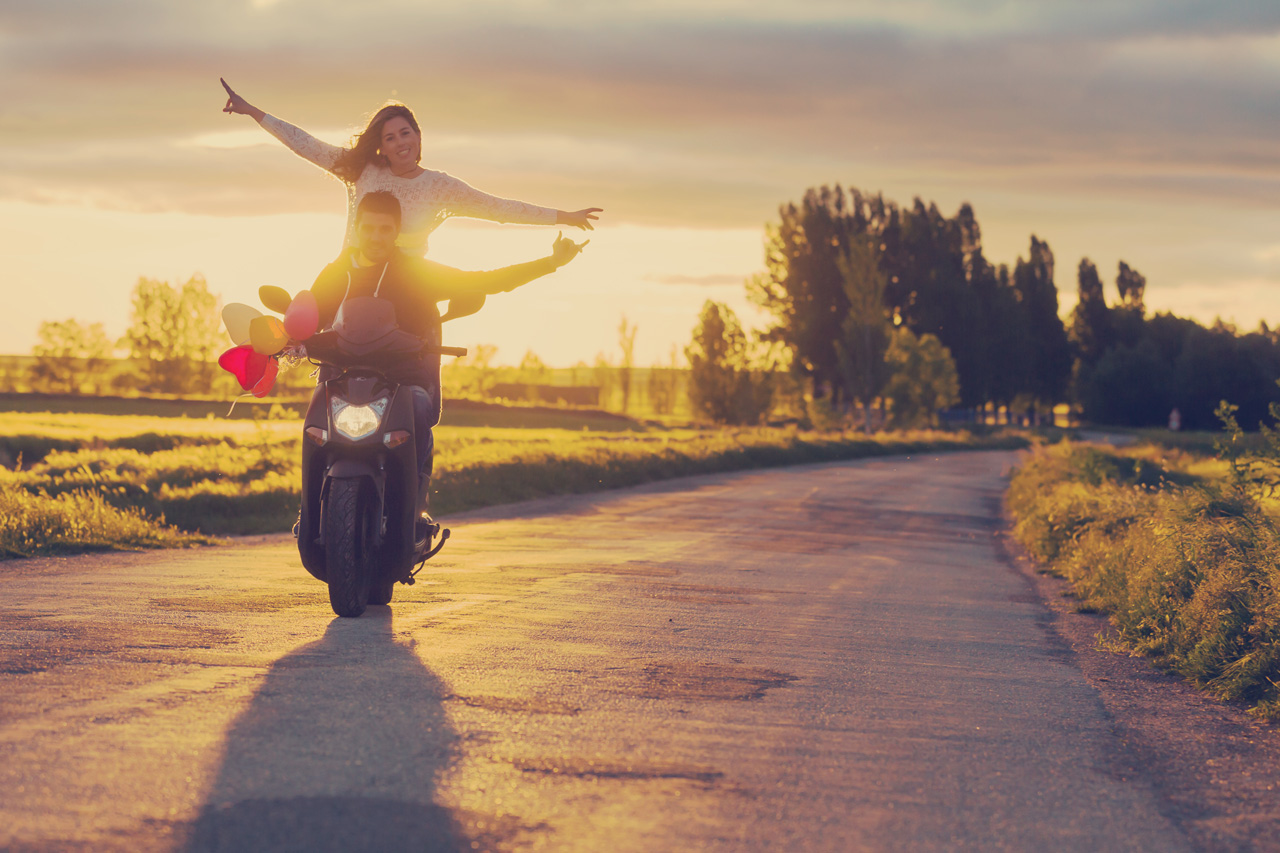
{"x": 350, "y": 469}
{"x": 357, "y": 469}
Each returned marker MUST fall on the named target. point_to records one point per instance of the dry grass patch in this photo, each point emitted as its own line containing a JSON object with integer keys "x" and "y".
{"x": 1186, "y": 563}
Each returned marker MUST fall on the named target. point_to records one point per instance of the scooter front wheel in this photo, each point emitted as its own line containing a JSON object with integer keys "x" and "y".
{"x": 346, "y": 547}
{"x": 381, "y": 593}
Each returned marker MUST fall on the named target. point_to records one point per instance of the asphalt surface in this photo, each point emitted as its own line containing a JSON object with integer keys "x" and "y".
{"x": 835, "y": 657}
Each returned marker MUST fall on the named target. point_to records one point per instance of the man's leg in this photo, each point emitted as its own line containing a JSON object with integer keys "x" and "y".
{"x": 425, "y": 415}
{"x": 317, "y": 402}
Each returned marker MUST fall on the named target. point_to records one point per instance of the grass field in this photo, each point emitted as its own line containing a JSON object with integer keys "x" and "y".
{"x": 461, "y": 412}
{"x": 1195, "y": 442}
{"x": 1186, "y": 562}
{"x": 213, "y": 478}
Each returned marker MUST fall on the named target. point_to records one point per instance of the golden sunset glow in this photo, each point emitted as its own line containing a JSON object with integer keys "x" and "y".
{"x": 1134, "y": 133}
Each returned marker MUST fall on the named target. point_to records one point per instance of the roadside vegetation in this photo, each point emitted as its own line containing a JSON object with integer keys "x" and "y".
{"x": 78, "y": 521}
{"x": 1180, "y": 548}
{"x": 87, "y": 482}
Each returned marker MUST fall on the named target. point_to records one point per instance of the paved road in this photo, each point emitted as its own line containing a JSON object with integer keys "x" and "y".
{"x": 825, "y": 658}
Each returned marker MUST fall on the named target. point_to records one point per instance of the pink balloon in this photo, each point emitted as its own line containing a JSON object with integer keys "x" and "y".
{"x": 247, "y": 366}
{"x": 302, "y": 317}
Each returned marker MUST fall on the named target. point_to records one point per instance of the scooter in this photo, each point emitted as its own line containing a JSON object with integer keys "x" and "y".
{"x": 361, "y": 529}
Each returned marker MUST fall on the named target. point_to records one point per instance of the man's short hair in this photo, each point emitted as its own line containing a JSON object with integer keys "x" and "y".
{"x": 380, "y": 201}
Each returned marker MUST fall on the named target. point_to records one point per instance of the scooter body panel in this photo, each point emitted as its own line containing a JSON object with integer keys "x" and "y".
{"x": 385, "y": 457}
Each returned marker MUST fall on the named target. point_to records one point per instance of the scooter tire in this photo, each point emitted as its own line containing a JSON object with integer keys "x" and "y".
{"x": 345, "y": 548}
{"x": 381, "y": 594}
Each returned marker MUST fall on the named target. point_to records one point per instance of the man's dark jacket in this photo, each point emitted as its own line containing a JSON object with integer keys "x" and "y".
{"x": 414, "y": 286}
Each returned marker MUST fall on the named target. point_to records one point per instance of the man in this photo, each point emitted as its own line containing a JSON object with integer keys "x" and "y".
{"x": 376, "y": 267}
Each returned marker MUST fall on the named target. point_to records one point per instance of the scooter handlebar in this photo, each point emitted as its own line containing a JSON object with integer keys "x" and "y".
{"x": 455, "y": 351}
{"x": 324, "y": 345}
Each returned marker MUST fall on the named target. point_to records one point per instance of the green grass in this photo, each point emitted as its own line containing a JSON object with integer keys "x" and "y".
{"x": 1186, "y": 564}
{"x": 217, "y": 478}
{"x": 1200, "y": 443}
{"x": 459, "y": 412}
{"x": 74, "y": 522}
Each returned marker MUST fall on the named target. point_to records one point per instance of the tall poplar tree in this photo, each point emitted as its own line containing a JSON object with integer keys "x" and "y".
{"x": 1130, "y": 311}
{"x": 802, "y": 286}
{"x": 930, "y": 290}
{"x": 865, "y": 331}
{"x": 1049, "y": 353}
{"x": 1091, "y": 331}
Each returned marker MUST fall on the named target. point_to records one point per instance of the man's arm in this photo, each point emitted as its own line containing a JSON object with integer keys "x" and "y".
{"x": 329, "y": 290}
{"x": 445, "y": 282}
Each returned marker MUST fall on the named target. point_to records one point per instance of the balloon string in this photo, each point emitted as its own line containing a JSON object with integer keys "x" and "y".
{"x": 237, "y": 400}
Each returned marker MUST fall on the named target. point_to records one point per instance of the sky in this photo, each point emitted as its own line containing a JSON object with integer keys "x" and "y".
{"x": 1135, "y": 130}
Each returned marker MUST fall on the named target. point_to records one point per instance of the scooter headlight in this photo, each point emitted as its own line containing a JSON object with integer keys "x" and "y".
{"x": 356, "y": 422}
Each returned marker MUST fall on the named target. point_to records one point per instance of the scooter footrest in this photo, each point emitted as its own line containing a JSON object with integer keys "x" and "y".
{"x": 444, "y": 537}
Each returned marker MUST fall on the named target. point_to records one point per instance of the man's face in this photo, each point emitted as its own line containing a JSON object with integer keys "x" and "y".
{"x": 376, "y": 234}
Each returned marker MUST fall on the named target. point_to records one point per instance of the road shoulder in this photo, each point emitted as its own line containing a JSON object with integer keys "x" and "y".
{"x": 1212, "y": 765}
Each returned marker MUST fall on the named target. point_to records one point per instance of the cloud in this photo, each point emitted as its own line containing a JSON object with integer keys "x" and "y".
{"x": 729, "y": 107}
{"x": 1244, "y": 302}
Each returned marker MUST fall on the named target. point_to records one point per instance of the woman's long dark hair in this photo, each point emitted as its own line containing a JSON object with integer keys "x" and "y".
{"x": 364, "y": 150}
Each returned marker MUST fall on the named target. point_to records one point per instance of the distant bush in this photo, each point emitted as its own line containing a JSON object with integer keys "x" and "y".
{"x": 728, "y": 380}
{"x": 1187, "y": 567}
{"x": 1175, "y": 362}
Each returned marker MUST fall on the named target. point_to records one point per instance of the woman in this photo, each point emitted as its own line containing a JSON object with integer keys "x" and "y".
{"x": 385, "y": 157}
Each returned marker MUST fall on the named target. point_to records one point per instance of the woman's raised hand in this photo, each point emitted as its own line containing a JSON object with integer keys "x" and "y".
{"x": 564, "y": 250}
{"x": 578, "y": 218}
{"x": 239, "y": 106}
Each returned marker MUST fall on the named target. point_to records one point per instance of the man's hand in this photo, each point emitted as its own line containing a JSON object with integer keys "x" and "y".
{"x": 578, "y": 218}
{"x": 564, "y": 250}
{"x": 239, "y": 106}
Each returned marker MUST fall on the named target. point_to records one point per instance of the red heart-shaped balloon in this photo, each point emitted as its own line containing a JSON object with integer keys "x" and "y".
{"x": 246, "y": 365}
{"x": 263, "y": 386}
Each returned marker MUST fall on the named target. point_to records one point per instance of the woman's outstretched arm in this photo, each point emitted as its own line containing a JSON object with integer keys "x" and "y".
{"x": 579, "y": 218}
{"x": 237, "y": 105}
{"x": 303, "y": 144}
{"x": 462, "y": 199}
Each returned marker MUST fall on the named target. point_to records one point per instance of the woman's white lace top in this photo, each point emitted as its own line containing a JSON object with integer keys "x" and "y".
{"x": 425, "y": 201}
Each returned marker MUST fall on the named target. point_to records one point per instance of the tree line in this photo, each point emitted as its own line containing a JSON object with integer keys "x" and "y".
{"x": 173, "y": 341}
{"x": 872, "y": 302}
{"x": 1134, "y": 370}
{"x": 891, "y": 311}
{"x": 175, "y": 334}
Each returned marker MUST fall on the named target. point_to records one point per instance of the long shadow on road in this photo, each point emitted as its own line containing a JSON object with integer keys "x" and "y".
{"x": 340, "y": 749}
